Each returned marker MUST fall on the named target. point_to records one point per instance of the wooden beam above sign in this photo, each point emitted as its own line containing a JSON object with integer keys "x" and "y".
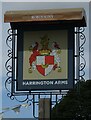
{"x": 45, "y": 15}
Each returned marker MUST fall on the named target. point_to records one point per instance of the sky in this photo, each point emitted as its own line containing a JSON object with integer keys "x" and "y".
{"x": 6, "y": 6}
{"x": 89, "y": 40}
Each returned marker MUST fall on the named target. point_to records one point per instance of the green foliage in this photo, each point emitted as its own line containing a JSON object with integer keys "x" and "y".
{"x": 76, "y": 105}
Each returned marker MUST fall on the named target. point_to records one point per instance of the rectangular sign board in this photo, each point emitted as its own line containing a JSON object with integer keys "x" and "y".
{"x": 45, "y": 60}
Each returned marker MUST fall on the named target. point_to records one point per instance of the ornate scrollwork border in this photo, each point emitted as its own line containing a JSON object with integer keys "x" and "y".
{"x": 82, "y": 65}
{"x": 8, "y": 64}
{"x": 81, "y": 41}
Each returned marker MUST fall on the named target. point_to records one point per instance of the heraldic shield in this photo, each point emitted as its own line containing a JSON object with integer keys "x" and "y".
{"x": 44, "y": 64}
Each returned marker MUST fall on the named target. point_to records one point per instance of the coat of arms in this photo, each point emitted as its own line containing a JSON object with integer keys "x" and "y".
{"x": 45, "y": 60}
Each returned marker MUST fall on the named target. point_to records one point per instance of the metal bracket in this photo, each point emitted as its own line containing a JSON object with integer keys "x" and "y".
{"x": 32, "y": 97}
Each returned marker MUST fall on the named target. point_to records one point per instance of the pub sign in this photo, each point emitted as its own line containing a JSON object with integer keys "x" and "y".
{"x": 45, "y": 48}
